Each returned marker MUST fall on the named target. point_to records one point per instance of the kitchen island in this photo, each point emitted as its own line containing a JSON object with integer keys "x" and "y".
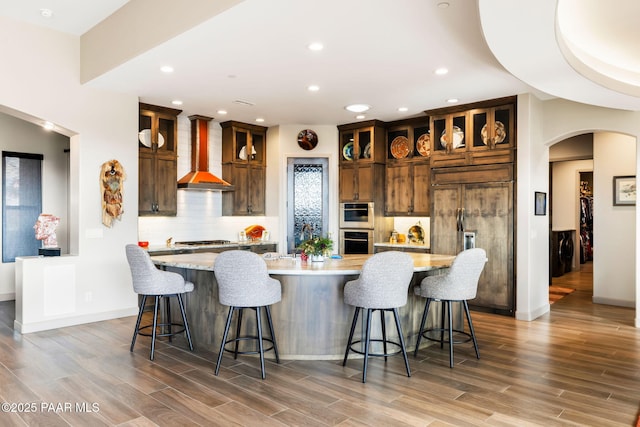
{"x": 311, "y": 321}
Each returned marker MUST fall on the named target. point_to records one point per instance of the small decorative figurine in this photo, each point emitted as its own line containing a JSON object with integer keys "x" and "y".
{"x": 46, "y": 230}
{"x": 112, "y": 177}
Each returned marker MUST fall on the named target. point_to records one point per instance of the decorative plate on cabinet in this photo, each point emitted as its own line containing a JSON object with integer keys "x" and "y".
{"x": 243, "y": 153}
{"x": 500, "y": 133}
{"x": 307, "y": 139}
{"x": 367, "y": 151}
{"x": 144, "y": 136}
{"x": 400, "y": 147}
{"x": 347, "y": 151}
{"x": 458, "y": 138}
{"x": 424, "y": 145}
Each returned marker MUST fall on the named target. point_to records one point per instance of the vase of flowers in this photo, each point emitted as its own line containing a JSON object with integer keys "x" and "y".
{"x": 316, "y": 248}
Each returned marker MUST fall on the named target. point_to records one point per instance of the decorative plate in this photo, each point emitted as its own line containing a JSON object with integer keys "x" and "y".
{"x": 254, "y": 232}
{"x": 144, "y": 136}
{"x": 307, "y": 139}
{"x": 243, "y": 153}
{"x": 367, "y": 151}
{"x": 458, "y": 138}
{"x": 416, "y": 233}
{"x": 400, "y": 147}
{"x": 500, "y": 130}
{"x": 423, "y": 145}
{"x": 347, "y": 151}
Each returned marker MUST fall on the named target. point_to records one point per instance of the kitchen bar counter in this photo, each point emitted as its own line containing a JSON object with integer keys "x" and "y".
{"x": 404, "y": 247}
{"x": 349, "y": 264}
{"x": 258, "y": 246}
{"x": 312, "y": 321}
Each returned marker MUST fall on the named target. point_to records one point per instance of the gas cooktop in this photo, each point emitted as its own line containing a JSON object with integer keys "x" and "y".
{"x": 203, "y": 242}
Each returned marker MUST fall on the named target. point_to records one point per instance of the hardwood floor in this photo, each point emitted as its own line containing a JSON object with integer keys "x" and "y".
{"x": 577, "y": 365}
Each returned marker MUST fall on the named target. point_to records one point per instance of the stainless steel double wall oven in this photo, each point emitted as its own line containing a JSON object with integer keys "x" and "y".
{"x": 357, "y": 223}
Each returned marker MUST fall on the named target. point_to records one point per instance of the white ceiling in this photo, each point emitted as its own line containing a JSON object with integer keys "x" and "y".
{"x": 378, "y": 52}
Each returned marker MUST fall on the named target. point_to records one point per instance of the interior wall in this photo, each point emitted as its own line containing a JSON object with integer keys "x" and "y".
{"x": 288, "y": 147}
{"x": 532, "y": 235}
{"x": 579, "y": 147}
{"x": 40, "y": 82}
{"x": 614, "y": 230}
{"x": 563, "y": 119}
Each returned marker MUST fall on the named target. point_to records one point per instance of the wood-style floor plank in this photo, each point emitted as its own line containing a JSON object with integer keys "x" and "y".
{"x": 577, "y": 365}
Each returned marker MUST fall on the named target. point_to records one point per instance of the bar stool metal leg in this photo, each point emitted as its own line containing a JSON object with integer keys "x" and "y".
{"x": 135, "y": 331}
{"x": 155, "y": 325}
{"x": 384, "y": 334}
{"x": 260, "y": 345}
{"x": 184, "y": 320}
{"x": 366, "y": 346}
{"x": 167, "y": 322}
{"x": 422, "y": 323}
{"x": 450, "y": 334}
{"x": 238, "y": 326}
{"x": 443, "y": 312}
{"x": 404, "y": 350}
{"x": 473, "y": 333}
{"x": 353, "y": 328}
{"x": 224, "y": 338}
{"x": 273, "y": 336}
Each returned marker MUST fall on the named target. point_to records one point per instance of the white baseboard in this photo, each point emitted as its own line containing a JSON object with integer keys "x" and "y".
{"x": 8, "y": 297}
{"x": 532, "y": 315}
{"x": 611, "y": 301}
{"x": 72, "y": 321}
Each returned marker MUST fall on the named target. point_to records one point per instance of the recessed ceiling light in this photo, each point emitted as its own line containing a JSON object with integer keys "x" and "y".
{"x": 443, "y": 5}
{"x": 260, "y": 120}
{"x": 360, "y": 116}
{"x": 166, "y": 69}
{"x": 222, "y": 112}
{"x": 452, "y": 100}
{"x": 357, "y": 108}
{"x": 313, "y": 88}
{"x": 315, "y": 46}
{"x": 46, "y": 13}
{"x": 403, "y": 109}
{"x": 48, "y": 125}
{"x": 176, "y": 102}
{"x": 441, "y": 71}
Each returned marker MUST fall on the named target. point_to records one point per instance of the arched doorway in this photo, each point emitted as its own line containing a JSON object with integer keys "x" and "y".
{"x": 613, "y": 226}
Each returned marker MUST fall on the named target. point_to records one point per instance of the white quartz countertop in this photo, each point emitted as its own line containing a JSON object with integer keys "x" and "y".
{"x": 348, "y": 265}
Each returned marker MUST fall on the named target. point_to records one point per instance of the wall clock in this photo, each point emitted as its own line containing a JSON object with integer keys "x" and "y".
{"x": 307, "y": 139}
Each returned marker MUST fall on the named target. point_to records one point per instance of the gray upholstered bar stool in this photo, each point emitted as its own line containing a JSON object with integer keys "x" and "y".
{"x": 243, "y": 282}
{"x": 148, "y": 280}
{"x": 459, "y": 284}
{"x": 383, "y": 285}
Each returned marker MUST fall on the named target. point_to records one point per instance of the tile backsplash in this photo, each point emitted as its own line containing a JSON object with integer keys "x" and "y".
{"x": 403, "y": 224}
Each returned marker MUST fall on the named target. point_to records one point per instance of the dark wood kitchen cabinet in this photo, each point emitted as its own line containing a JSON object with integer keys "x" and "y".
{"x": 157, "y": 160}
{"x": 362, "y": 162}
{"x": 479, "y": 200}
{"x": 408, "y": 170}
{"x": 244, "y": 164}
{"x": 482, "y": 133}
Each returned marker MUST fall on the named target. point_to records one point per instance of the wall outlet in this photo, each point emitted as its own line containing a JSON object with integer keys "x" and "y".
{"x": 88, "y": 296}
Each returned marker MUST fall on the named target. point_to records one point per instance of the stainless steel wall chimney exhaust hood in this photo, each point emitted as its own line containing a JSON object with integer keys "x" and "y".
{"x": 199, "y": 178}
